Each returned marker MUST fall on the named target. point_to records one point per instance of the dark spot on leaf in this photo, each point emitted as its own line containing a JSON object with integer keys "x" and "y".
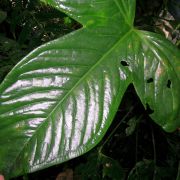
{"x": 148, "y": 109}
{"x": 169, "y": 84}
{"x": 124, "y": 63}
{"x": 150, "y": 80}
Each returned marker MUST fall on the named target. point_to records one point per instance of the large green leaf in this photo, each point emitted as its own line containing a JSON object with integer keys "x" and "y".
{"x": 59, "y": 101}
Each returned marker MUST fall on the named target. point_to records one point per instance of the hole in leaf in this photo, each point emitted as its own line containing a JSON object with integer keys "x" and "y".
{"x": 169, "y": 84}
{"x": 148, "y": 109}
{"x": 124, "y": 63}
{"x": 150, "y": 80}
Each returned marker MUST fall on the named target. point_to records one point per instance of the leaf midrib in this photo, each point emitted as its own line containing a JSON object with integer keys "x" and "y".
{"x": 75, "y": 86}
{"x": 90, "y": 70}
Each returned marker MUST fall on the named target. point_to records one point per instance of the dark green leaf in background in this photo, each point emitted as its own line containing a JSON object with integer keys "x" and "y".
{"x": 59, "y": 101}
{"x": 131, "y": 126}
{"x": 3, "y": 16}
{"x": 111, "y": 168}
{"x": 142, "y": 169}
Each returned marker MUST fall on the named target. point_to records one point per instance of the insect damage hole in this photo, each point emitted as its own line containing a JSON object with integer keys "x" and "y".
{"x": 150, "y": 80}
{"x": 169, "y": 84}
{"x": 124, "y": 63}
{"x": 148, "y": 109}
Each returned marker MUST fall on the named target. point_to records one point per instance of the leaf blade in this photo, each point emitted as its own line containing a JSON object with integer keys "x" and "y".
{"x": 31, "y": 96}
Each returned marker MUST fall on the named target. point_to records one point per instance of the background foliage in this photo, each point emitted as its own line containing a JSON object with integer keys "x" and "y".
{"x": 134, "y": 147}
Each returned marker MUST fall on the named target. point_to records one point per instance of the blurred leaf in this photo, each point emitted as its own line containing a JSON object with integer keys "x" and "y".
{"x": 3, "y": 16}
{"x": 67, "y": 21}
{"x": 90, "y": 169}
{"x": 166, "y": 173}
{"x": 24, "y": 34}
{"x": 132, "y": 126}
{"x": 111, "y": 168}
{"x": 143, "y": 170}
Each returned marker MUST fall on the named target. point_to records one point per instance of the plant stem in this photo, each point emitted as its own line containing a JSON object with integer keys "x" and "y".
{"x": 136, "y": 155}
{"x": 178, "y": 173}
{"x": 154, "y": 151}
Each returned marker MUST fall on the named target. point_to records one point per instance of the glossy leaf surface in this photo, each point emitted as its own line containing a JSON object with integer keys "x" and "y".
{"x": 59, "y": 101}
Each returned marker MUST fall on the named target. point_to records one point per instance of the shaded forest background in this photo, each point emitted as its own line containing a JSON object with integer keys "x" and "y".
{"x": 134, "y": 147}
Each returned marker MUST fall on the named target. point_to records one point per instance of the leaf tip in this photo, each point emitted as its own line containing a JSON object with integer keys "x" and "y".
{"x": 169, "y": 127}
